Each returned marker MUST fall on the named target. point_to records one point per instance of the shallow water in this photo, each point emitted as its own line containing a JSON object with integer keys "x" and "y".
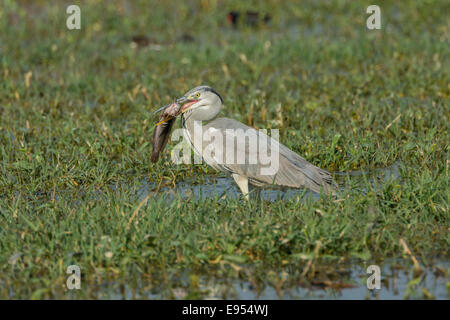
{"x": 396, "y": 283}
{"x": 221, "y": 188}
{"x": 224, "y": 187}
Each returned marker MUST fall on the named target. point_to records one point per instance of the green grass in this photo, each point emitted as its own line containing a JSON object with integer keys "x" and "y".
{"x": 344, "y": 97}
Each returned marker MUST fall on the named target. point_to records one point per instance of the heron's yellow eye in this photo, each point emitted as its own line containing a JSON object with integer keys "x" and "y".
{"x": 197, "y": 95}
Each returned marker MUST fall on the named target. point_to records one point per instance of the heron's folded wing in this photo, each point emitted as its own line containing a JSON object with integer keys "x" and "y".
{"x": 292, "y": 170}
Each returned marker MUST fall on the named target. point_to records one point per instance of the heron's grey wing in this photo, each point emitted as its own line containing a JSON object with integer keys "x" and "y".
{"x": 293, "y": 170}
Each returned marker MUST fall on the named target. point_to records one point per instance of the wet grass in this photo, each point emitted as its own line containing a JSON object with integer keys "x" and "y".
{"x": 76, "y": 129}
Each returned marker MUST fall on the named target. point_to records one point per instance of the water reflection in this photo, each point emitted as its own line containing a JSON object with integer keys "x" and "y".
{"x": 397, "y": 282}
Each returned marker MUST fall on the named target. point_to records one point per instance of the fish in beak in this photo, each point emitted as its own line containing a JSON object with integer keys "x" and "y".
{"x": 165, "y": 123}
{"x": 174, "y": 109}
{"x": 163, "y": 128}
{"x": 169, "y": 112}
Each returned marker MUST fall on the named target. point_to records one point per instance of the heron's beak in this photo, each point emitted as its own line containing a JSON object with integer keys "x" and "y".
{"x": 186, "y": 102}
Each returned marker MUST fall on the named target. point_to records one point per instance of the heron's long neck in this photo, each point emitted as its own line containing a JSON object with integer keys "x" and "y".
{"x": 188, "y": 123}
{"x": 191, "y": 120}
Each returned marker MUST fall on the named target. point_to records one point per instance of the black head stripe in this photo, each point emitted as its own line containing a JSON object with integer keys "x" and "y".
{"x": 204, "y": 88}
{"x": 214, "y": 91}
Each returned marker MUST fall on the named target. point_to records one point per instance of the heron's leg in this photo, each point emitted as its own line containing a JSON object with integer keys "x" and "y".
{"x": 242, "y": 182}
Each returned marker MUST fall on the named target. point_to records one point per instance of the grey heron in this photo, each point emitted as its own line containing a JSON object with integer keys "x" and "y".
{"x": 202, "y": 105}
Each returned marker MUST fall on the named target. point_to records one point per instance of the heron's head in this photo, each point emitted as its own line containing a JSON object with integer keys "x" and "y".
{"x": 201, "y": 103}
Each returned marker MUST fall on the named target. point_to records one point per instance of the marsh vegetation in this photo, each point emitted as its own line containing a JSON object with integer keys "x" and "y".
{"x": 77, "y": 185}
